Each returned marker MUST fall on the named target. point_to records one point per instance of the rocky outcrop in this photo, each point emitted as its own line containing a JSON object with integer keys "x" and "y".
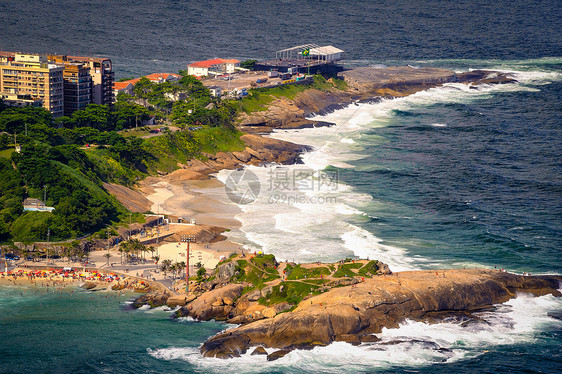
{"x": 258, "y": 151}
{"x": 152, "y": 299}
{"x": 364, "y": 84}
{"x": 216, "y": 304}
{"x": 353, "y": 314}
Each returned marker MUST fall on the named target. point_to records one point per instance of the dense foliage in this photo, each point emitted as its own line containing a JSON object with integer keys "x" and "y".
{"x": 65, "y": 161}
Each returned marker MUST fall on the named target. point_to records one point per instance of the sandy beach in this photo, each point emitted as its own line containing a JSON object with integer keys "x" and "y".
{"x": 179, "y": 197}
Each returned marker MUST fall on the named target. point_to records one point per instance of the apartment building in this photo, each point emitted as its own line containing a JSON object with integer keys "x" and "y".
{"x": 100, "y": 71}
{"x": 77, "y": 88}
{"x": 33, "y": 76}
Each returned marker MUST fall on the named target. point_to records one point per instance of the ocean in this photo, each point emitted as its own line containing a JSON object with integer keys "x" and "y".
{"x": 449, "y": 177}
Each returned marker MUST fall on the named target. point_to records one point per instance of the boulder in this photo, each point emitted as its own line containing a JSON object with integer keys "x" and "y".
{"x": 225, "y": 272}
{"x": 278, "y": 354}
{"x": 152, "y": 299}
{"x": 259, "y": 351}
{"x": 269, "y": 312}
{"x": 174, "y": 301}
{"x": 210, "y": 304}
{"x": 253, "y": 295}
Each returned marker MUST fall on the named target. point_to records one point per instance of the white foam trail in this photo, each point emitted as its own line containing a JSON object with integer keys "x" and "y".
{"x": 279, "y": 223}
{"x": 413, "y": 344}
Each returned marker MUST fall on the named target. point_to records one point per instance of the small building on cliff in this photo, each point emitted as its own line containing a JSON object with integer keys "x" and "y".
{"x": 215, "y": 66}
{"x": 36, "y": 205}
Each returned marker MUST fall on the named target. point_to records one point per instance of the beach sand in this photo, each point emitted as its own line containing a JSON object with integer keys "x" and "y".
{"x": 205, "y": 201}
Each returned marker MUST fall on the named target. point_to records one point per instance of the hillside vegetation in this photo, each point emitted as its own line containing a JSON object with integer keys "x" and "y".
{"x": 65, "y": 161}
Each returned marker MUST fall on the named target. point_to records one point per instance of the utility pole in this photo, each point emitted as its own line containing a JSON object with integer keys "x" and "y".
{"x": 108, "y": 255}
{"x": 45, "y": 194}
{"x": 188, "y": 239}
{"x": 48, "y": 243}
{"x": 130, "y": 215}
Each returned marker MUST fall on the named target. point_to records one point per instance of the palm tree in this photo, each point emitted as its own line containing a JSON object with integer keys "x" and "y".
{"x": 108, "y": 256}
{"x": 166, "y": 264}
{"x": 181, "y": 267}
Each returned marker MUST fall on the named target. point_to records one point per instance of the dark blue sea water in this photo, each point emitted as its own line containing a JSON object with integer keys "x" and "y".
{"x": 451, "y": 177}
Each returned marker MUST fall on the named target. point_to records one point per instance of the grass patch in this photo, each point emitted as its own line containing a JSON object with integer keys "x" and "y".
{"x": 218, "y": 139}
{"x": 299, "y": 272}
{"x": 292, "y": 293}
{"x": 259, "y": 98}
{"x": 371, "y": 268}
{"x": 345, "y": 270}
{"x": 264, "y": 261}
{"x": 256, "y": 275}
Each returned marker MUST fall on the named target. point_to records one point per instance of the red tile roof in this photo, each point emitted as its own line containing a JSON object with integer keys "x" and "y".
{"x": 209, "y": 63}
{"x": 160, "y": 76}
{"x": 121, "y": 85}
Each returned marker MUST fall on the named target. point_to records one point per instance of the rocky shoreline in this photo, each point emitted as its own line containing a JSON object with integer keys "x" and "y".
{"x": 325, "y": 305}
{"x": 364, "y": 84}
{"x": 347, "y": 301}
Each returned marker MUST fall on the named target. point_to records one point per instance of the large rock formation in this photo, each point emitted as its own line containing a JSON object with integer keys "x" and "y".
{"x": 363, "y": 84}
{"x": 258, "y": 151}
{"x": 354, "y": 313}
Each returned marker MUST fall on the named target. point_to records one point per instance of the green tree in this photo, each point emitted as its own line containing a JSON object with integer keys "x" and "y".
{"x": 142, "y": 88}
{"x": 248, "y": 64}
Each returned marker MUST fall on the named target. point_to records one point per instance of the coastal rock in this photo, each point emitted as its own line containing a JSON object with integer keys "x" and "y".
{"x": 383, "y": 269}
{"x": 269, "y": 312}
{"x": 348, "y": 338}
{"x": 369, "y": 338}
{"x": 228, "y": 346}
{"x": 353, "y": 313}
{"x": 278, "y": 354}
{"x": 259, "y": 351}
{"x": 210, "y": 304}
{"x": 227, "y": 300}
{"x": 152, "y": 299}
{"x": 174, "y": 301}
{"x": 225, "y": 272}
{"x": 89, "y": 285}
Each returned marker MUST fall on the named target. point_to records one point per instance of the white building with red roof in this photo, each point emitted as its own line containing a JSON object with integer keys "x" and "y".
{"x": 127, "y": 86}
{"x": 215, "y": 66}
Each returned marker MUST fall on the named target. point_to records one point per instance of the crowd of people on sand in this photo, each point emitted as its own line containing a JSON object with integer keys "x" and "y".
{"x": 60, "y": 277}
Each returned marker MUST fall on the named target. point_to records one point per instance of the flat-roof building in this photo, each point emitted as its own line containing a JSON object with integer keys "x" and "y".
{"x": 33, "y": 76}
{"x": 20, "y": 100}
{"x": 101, "y": 72}
{"x": 77, "y": 88}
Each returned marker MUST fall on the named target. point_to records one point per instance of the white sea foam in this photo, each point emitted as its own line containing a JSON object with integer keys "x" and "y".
{"x": 413, "y": 344}
{"x": 280, "y": 222}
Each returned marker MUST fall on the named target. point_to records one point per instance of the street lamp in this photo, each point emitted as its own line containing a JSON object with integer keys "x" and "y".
{"x": 187, "y": 239}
